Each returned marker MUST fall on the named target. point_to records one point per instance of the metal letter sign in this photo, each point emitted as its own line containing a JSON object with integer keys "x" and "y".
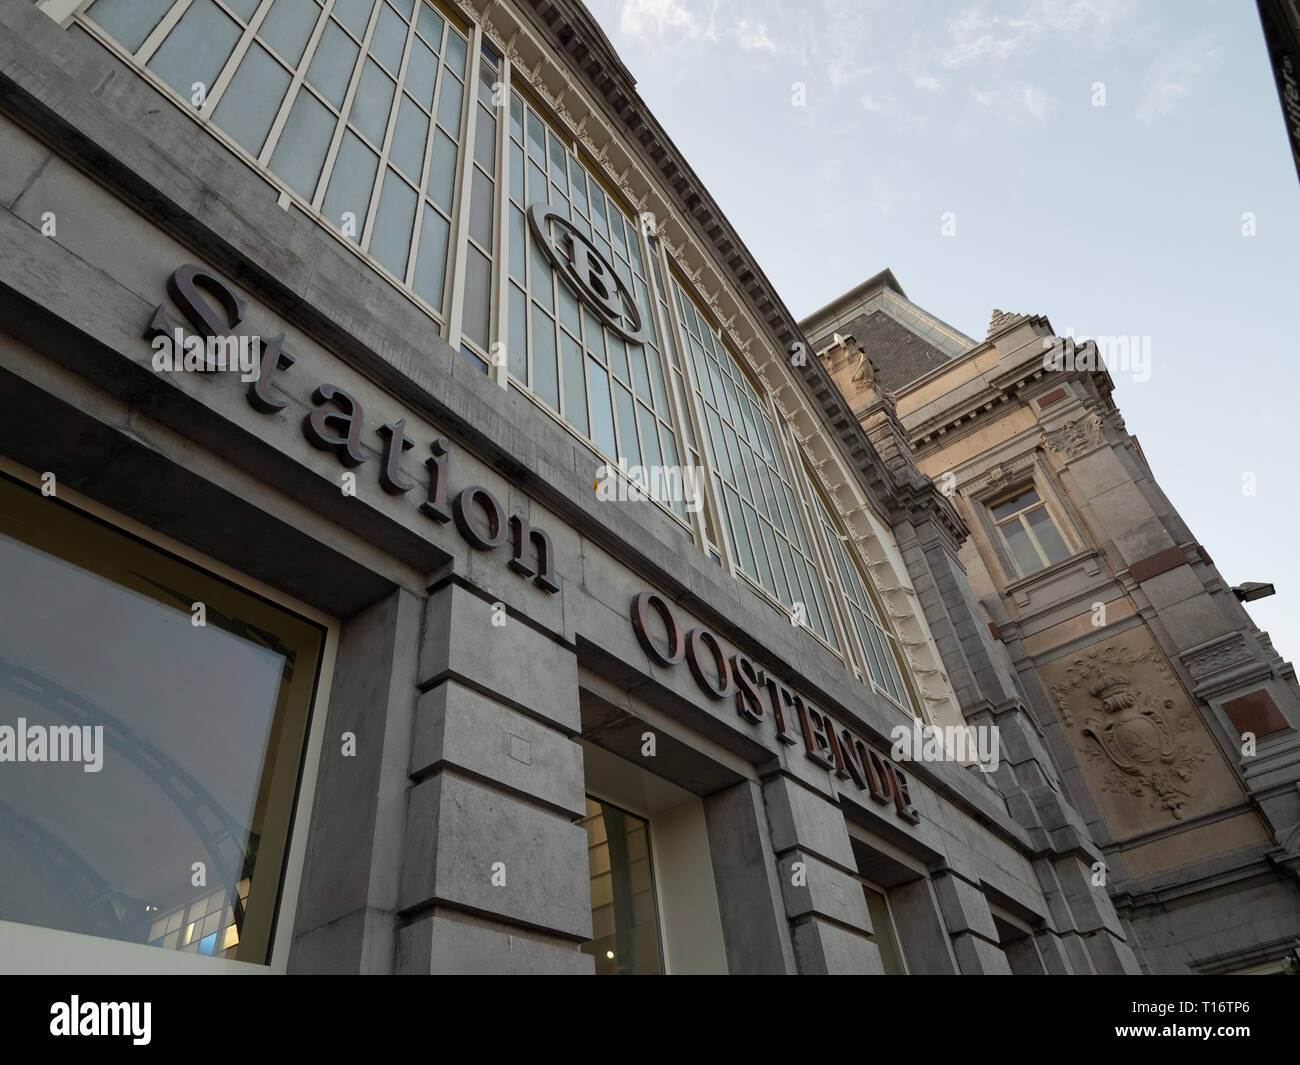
{"x": 589, "y": 274}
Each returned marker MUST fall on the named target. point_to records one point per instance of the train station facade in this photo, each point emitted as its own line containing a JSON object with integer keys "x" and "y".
{"x": 432, "y": 547}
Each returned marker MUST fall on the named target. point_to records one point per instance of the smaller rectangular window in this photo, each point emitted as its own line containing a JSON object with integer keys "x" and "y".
{"x": 1028, "y": 534}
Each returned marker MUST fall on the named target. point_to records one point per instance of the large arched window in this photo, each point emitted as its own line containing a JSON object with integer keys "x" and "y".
{"x": 876, "y": 645}
{"x": 755, "y": 497}
{"x": 353, "y": 107}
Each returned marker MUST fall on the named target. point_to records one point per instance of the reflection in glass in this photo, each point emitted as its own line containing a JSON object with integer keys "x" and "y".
{"x": 624, "y": 918}
{"x": 202, "y": 737}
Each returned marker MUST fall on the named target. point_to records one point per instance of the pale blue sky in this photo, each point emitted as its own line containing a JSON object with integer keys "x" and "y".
{"x": 1124, "y": 219}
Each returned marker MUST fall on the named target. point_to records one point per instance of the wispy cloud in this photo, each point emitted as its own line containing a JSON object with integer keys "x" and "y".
{"x": 1015, "y": 102}
{"x": 651, "y": 19}
{"x": 889, "y": 106}
{"x": 752, "y": 36}
{"x": 1173, "y": 77}
{"x": 978, "y": 35}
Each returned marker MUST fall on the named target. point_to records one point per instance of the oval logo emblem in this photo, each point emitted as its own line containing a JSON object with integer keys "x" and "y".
{"x": 589, "y": 274}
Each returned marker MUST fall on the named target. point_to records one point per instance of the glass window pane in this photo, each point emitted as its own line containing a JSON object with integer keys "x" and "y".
{"x": 628, "y": 448}
{"x": 602, "y": 414}
{"x": 351, "y": 183}
{"x": 517, "y": 353}
{"x": 598, "y": 209}
{"x": 546, "y": 383}
{"x": 1015, "y": 536}
{"x": 457, "y": 48}
{"x": 485, "y": 141}
{"x": 197, "y": 48}
{"x": 431, "y": 260}
{"x": 407, "y": 149}
{"x": 516, "y": 118}
{"x": 570, "y": 316}
{"x": 391, "y": 240}
{"x": 518, "y": 244}
{"x": 243, "y": 8}
{"x": 579, "y": 191}
{"x": 251, "y": 101}
{"x": 300, "y": 151}
{"x": 354, "y": 14}
{"x": 422, "y": 74}
{"x": 575, "y": 388}
{"x": 214, "y": 727}
{"x": 537, "y": 185}
{"x": 429, "y": 23}
{"x": 1019, "y": 502}
{"x": 559, "y": 172}
{"x": 288, "y": 26}
{"x": 478, "y": 286}
{"x": 616, "y": 233}
{"x": 442, "y": 171}
{"x": 406, "y": 7}
{"x": 624, "y": 920}
{"x": 536, "y": 139}
{"x": 373, "y": 101}
{"x": 594, "y": 334}
{"x": 649, "y": 437}
{"x": 128, "y": 22}
{"x": 332, "y": 64}
{"x": 517, "y": 173}
{"x": 389, "y": 40}
{"x": 449, "y": 103}
{"x": 539, "y": 275}
{"x": 481, "y": 205}
{"x": 640, "y": 376}
{"x": 1049, "y": 539}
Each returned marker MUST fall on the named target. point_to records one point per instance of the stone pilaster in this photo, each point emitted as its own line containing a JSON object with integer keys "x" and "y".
{"x": 494, "y": 872}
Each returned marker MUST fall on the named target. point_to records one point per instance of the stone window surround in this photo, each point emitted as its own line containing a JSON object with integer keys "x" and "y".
{"x": 1012, "y": 474}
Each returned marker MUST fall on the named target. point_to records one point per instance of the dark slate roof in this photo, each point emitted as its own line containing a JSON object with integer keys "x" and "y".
{"x": 903, "y": 341}
{"x": 899, "y": 355}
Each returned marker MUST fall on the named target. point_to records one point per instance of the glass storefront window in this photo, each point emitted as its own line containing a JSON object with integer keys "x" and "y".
{"x": 624, "y": 918}
{"x": 160, "y": 757}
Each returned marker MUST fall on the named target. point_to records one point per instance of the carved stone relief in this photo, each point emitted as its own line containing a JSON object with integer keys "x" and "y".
{"x": 1143, "y": 748}
{"x": 1076, "y": 436}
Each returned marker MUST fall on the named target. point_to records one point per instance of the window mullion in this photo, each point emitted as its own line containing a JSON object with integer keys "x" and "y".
{"x": 820, "y": 554}
{"x": 227, "y": 73}
{"x": 501, "y": 264}
{"x": 327, "y": 170}
{"x": 165, "y": 25}
{"x": 295, "y": 84}
{"x": 700, "y": 429}
{"x": 385, "y": 149}
{"x": 464, "y": 183}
